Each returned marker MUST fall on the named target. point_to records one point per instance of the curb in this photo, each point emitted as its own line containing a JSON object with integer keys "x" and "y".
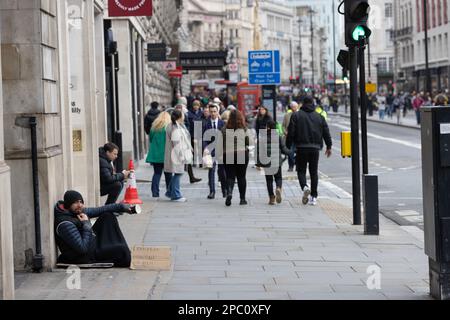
{"x": 378, "y": 121}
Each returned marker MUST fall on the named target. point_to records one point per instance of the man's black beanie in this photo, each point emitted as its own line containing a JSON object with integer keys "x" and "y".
{"x": 70, "y": 197}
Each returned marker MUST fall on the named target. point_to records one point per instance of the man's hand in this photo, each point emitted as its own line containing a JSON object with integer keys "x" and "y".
{"x": 82, "y": 217}
{"x": 328, "y": 153}
{"x": 126, "y": 173}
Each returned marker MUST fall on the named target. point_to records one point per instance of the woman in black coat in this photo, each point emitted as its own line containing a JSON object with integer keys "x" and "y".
{"x": 262, "y": 119}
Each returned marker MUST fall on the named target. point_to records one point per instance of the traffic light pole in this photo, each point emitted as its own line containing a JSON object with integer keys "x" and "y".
{"x": 356, "y": 172}
{"x": 362, "y": 88}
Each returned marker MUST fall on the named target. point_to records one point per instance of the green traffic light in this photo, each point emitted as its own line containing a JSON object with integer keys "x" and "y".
{"x": 358, "y": 32}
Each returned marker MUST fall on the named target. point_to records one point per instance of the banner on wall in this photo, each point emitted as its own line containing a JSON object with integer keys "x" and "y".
{"x": 130, "y": 8}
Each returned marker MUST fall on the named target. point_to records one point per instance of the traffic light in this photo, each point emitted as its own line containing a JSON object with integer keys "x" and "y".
{"x": 356, "y": 16}
{"x": 343, "y": 59}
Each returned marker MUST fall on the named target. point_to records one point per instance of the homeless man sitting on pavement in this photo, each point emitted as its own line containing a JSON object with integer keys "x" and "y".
{"x": 82, "y": 243}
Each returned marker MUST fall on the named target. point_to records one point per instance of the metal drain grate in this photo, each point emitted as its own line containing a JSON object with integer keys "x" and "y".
{"x": 338, "y": 213}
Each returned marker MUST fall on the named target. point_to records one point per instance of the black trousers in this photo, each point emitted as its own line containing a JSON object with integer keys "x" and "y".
{"x": 113, "y": 191}
{"x": 308, "y": 158}
{"x": 238, "y": 171}
{"x": 278, "y": 181}
{"x": 111, "y": 244}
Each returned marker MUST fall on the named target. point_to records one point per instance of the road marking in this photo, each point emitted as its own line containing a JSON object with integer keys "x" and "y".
{"x": 378, "y": 137}
{"x": 406, "y": 213}
{"x": 410, "y": 168}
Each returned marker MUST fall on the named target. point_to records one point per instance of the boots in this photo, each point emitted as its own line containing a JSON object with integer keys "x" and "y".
{"x": 192, "y": 179}
{"x": 278, "y": 195}
{"x": 272, "y": 201}
{"x": 229, "y": 194}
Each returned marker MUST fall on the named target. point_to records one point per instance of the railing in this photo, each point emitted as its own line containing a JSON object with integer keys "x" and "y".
{"x": 403, "y": 32}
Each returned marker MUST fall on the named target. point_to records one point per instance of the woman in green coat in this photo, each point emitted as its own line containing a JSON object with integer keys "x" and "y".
{"x": 155, "y": 155}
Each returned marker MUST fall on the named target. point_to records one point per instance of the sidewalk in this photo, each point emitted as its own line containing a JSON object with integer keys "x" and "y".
{"x": 409, "y": 121}
{"x": 289, "y": 251}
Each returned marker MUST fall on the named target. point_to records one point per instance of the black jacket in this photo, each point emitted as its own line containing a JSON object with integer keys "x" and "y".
{"x": 107, "y": 175}
{"x": 308, "y": 130}
{"x": 151, "y": 116}
{"x": 75, "y": 239}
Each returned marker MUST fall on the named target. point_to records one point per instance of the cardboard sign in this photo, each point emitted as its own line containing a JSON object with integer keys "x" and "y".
{"x": 150, "y": 258}
{"x": 130, "y": 8}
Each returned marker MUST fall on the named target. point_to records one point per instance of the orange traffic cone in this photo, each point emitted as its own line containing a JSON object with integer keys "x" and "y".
{"x": 131, "y": 193}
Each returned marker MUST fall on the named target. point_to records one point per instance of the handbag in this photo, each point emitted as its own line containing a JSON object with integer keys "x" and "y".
{"x": 208, "y": 162}
{"x": 187, "y": 155}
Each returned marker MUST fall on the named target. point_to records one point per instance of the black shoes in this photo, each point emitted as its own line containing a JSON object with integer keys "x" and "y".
{"x": 212, "y": 195}
{"x": 195, "y": 180}
{"x": 243, "y": 202}
{"x": 228, "y": 201}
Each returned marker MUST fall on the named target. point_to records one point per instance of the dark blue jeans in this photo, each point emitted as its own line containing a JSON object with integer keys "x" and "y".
{"x": 158, "y": 170}
{"x": 292, "y": 156}
{"x": 212, "y": 177}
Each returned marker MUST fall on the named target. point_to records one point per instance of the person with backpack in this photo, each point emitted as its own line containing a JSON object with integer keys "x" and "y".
{"x": 151, "y": 116}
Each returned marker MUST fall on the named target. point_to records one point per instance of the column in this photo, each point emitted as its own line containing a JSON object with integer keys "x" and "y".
{"x": 6, "y": 237}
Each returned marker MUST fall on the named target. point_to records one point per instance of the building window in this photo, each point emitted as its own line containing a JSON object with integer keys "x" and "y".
{"x": 388, "y": 10}
{"x": 382, "y": 65}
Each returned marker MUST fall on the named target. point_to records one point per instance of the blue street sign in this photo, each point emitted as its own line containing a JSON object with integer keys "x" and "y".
{"x": 264, "y": 67}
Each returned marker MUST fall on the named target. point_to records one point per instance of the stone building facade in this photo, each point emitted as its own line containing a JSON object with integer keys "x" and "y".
{"x": 6, "y": 238}
{"x": 56, "y": 65}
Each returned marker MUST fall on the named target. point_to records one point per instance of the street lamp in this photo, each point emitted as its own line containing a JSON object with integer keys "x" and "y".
{"x": 427, "y": 67}
{"x": 311, "y": 12}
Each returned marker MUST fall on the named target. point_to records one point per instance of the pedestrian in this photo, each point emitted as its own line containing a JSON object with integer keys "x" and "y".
{"x": 211, "y": 129}
{"x": 81, "y": 243}
{"x": 308, "y": 130}
{"x": 417, "y": 105}
{"x": 382, "y": 110}
{"x": 178, "y": 153}
{"x": 441, "y": 99}
{"x": 262, "y": 118}
{"x": 390, "y": 104}
{"x": 293, "y": 108}
{"x": 184, "y": 110}
{"x": 273, "y": 169}
{"x": 156, "y": 153}
{"x": 151, "y": 115}
{"x": 111, "y": 182}
{"x": 236, "y": 155}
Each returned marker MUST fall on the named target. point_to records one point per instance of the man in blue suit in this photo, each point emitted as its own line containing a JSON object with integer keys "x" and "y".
{"x": 216, "y": 124}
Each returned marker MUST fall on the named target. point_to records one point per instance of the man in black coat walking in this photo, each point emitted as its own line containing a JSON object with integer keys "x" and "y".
{"x": 111, "y": 182}
{"x": 307, "y": 131}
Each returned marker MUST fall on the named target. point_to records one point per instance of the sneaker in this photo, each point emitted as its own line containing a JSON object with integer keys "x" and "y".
{"x": 278, "y": 195}
{"x": 243, "y": 202}
{"x": 180, "y": 200}
{"x": 306, "y": 194}
{"x": 313, "y": 201}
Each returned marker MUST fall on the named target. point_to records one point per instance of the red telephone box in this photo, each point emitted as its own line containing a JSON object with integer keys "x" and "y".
{"x": 249, "y": 97}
